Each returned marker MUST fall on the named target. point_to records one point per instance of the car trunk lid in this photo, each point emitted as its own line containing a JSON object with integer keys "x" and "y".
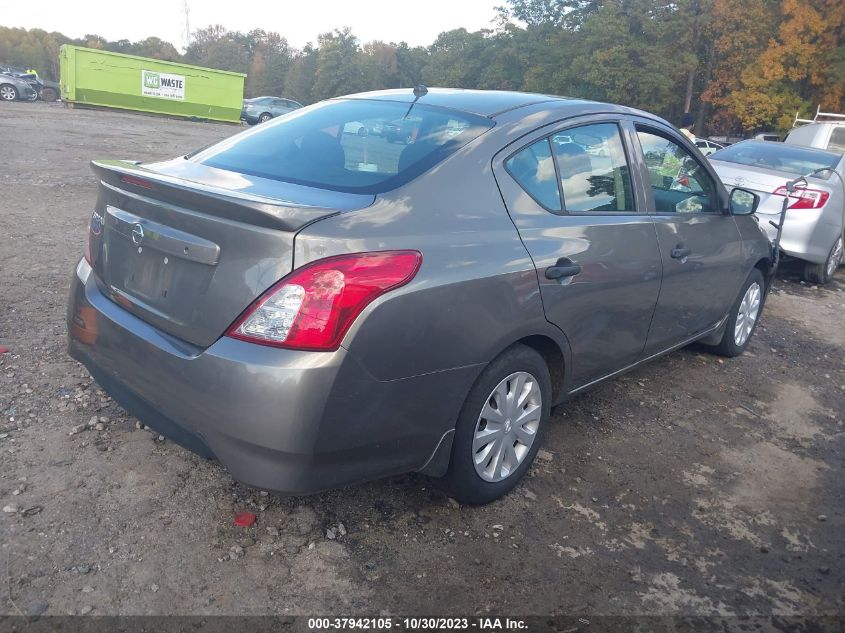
{"x": 762, "y": 181}
{"x": 187, "y": 247}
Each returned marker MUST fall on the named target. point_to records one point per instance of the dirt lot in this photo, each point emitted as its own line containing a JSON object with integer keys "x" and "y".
{"x": 694, "y": 485}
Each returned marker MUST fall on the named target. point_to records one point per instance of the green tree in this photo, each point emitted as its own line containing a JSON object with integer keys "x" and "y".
{"x": 302, "y": 74}
{"x": 338, "y": 70}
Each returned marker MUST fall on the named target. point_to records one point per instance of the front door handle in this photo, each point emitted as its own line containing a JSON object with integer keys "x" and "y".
{"x": 680, "y": 252}
{"x": 563, "y": 268}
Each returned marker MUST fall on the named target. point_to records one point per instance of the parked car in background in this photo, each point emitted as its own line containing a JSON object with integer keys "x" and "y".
{"x": 772, "y": 137}
{"x": 707, "y": 147}
{"x": 815, "y": 220}
{"x": 46, "y": 89}
{"x": 261, "y": 109}
{"x": 314, "y": 308}
{"x": 829, "y": 136}
{"x": 16, "y": 89}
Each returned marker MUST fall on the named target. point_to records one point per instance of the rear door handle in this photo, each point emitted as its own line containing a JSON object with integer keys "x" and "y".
{"x": 563, "y": 268}
{"x": 680, "y": 252}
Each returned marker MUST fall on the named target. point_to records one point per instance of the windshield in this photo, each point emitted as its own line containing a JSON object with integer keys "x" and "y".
{"x": 352, "y": 145}
{"x": 795, "y": 160}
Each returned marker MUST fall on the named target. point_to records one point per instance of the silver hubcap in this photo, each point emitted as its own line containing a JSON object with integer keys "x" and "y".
{"x": 749, "y": 308}
{"x": 507, "y": 427}
{"x": 7, "y": 93}
{"x": 835, "y": 258}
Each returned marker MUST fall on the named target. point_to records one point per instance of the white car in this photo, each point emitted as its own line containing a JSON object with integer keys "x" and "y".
{"x": 707, "y": 147}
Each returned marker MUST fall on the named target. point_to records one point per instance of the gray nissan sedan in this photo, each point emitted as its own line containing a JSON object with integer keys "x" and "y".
{"x": 313, "y": 308}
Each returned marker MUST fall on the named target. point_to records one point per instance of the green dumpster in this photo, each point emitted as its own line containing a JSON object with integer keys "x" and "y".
{"x": 101, "y": 78}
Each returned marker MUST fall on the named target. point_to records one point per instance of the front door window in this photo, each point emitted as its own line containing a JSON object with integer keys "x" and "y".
{"x": 678, "y": 181}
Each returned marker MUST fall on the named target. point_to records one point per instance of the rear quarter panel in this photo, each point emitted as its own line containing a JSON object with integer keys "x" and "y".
{"x": 476, "y": 291}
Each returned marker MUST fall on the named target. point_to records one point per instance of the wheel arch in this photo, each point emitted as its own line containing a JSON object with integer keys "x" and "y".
{"x": 764, "y": 265}
{"x": 555, "y": 360}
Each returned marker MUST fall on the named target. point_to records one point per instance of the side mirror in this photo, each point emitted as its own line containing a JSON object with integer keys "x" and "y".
{"x": 743, "y": 202}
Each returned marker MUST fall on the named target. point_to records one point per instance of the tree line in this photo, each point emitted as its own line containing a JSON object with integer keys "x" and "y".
{"x": 738, "y": 65}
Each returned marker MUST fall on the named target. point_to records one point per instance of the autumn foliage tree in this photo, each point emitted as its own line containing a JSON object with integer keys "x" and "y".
{"x": 740, "y": 65}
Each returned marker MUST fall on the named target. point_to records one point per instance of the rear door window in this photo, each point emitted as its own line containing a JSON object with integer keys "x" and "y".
{"x": 312, "y": 146}
{"x": 534, "y": 169}
{"x": 594, "y": 174}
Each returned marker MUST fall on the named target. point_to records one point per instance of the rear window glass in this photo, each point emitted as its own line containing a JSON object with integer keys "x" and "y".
{"x": 778, "y": 156}
{"x": 534, "y": 169}
{"x": 353, "y": 145}
{"x": 837, "y": 139}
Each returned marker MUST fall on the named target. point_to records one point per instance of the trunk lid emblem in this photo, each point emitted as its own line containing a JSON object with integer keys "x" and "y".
{"x": 137, "y": 234}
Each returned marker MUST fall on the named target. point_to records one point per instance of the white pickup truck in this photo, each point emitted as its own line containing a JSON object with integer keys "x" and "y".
{"x": 825, "y": 131}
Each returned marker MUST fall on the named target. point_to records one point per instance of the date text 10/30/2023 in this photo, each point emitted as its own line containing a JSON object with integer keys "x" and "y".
{"x": 418, "y": 624}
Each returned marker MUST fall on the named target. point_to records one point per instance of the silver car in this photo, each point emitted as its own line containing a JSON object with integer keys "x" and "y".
{"x": 262, "y": 109}
{"x": 313, "y": 308}
{"x": 815, "y": 221}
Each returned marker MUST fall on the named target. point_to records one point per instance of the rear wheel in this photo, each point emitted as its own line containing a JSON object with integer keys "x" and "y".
{"x": 500, "y": 427}
{"x": 744, "y": 316}
{"x": 8, "y": 92}
{"x": 823, "y": 273}
{"x": 265, "y": 116}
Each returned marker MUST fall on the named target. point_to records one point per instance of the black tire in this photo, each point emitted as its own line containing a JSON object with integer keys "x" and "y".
{"x": 728, "y": 346}
{"x": 464, "y": 483}
{"x": 8, "y": 92}
{"x": 822, "y": 273}
{"x": 264, "y": 117}
{"x": 362, "y": 131}
{"x": 49, "y": 94}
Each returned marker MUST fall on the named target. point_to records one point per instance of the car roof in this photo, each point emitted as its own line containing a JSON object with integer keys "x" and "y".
{"x": 492, "y": 103}
{"x": 487, "y": 103}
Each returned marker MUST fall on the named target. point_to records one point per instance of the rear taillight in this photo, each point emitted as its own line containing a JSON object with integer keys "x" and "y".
{"x": 95, "y": 230}
{"x": 804, "y": 198}
{"x": 314, "y": 306}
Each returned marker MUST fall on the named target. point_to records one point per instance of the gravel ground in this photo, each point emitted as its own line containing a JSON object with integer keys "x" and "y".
{"x": 694, "y": 485}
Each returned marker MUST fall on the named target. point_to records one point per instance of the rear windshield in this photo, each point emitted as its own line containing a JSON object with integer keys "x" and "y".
{"x": 352, "y": 145}
{"x": 780, "y": 156}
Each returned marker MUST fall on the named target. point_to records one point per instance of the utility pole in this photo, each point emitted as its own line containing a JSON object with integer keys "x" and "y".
{"x": 187, "y": 12}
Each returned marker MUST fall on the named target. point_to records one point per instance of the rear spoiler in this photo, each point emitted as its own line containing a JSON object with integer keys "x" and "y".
{"x": 134, "y": 179}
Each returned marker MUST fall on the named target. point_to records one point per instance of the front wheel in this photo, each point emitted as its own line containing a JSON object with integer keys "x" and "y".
{"x": 266, "y": 116}
{"x": 500, "y": 426}
{"x": 823, "y": 273}
{"x": 8, "y": 92}
{"x": 745, "y": 313}
{"x": 49, "y": 94}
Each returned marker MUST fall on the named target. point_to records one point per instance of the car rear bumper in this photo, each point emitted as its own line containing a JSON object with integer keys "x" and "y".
{"x": 284, "y": 420}
{"x": 807, "y": 233}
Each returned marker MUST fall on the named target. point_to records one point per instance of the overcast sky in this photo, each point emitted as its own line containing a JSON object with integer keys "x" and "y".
{"x": 300, "y": 21}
